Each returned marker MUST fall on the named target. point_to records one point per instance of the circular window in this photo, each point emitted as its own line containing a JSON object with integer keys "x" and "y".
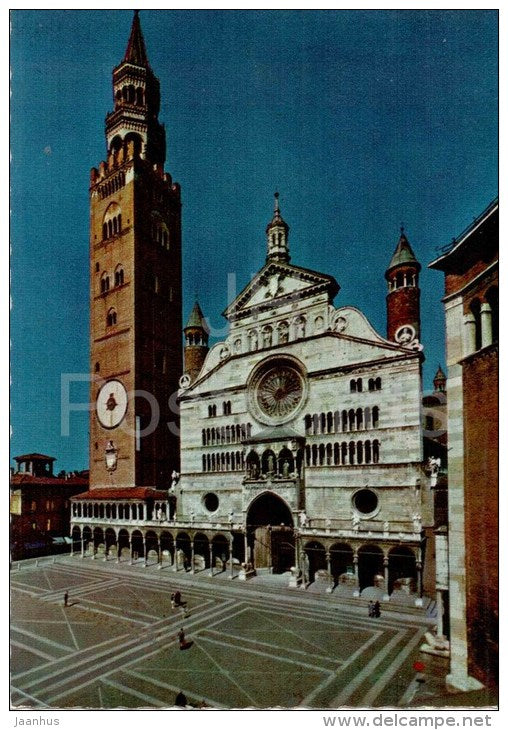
{"x": 211, "y": 502}
{"x": 277, "y": 391}
{"x": 365, "y": 501}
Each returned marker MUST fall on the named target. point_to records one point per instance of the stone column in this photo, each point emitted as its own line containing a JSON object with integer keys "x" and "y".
{"x": 486, "y": 319}
{"x": 192, "y": 556}
{"x": 246, "y": 546}
{"x": 386, "y": 596}
{"x": 117, "y": 550}
{"x": 145, "y": 562}
{"x": 439, "y": 611}
{"x": 130, "y": 549}
{"x": 329, "y": 571}
{"x": 469, "y": 334}
{"x": 159, "y": 554}
{"x": 356, "y": 592}
{"x": 141, "y": 510}
{"x": 82, "y": 545}
{"x": 210, "y": 548}
{"x": 231, "y": 573}
{"x": 418, "y": 600}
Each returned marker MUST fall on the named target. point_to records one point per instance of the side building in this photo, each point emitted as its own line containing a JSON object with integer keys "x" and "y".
{"x": 471, "y": 273}
{"x": 40, "y": 505}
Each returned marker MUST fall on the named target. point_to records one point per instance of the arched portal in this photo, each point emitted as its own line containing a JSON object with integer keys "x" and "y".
{"x": 341, "y": 561}
{"x": 220, "y": 551}
{"x": 123, "y": 545}
{"x": 183, "y": 550}
{"x": 270, "y": 533}
{"x": 401, "y": 569}
{"x": 87, "y": 538}
{"x": 316, "y": 559}
{"x": 201, "y": 551}
{"x": 370, "y": 565}
{"x": 138, "y": 550}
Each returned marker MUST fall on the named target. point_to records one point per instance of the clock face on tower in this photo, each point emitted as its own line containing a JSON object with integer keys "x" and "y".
{"x": 111, "y": 404}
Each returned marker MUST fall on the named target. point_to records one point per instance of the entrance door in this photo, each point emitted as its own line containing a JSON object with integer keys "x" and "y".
{"x": 270, "y": 533}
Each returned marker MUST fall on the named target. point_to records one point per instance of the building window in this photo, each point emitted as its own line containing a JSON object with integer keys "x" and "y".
{"x": 104, "y": 283}
{"x": 475, "y": 308}
{"x": 226, "y": 408}
{"x": 365, "y": 501}
{"x": 492, "y": 298}
{"x": 111, "y": 318}
{"x": 119, "y": 275}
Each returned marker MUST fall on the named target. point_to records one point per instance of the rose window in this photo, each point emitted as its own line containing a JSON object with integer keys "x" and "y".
{"x": 279, "y": 392}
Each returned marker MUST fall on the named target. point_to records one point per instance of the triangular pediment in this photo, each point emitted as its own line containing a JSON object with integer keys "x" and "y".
{"x": 277, "y": 283}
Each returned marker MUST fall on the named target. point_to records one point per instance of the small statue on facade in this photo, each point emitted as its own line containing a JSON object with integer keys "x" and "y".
{"x": 355, "y": 519}
{"x": 303, "y": 519}
{"x": 285, "y": 469}
{"x": 175, "y": 478}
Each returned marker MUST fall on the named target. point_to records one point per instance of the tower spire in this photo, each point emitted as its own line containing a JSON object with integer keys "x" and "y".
{"x": 136, "y": 49}
{"x": 277, "y": 233}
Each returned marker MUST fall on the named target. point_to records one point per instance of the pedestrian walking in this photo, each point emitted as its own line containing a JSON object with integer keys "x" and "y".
{"x": 178, "y": 598}
{"x": 181, "y": 638}
{"x": 371, "y": 609}
{"x": 173, "y": 604}
{"x": 377, "y": 609}
{"x": 66, "y": 599}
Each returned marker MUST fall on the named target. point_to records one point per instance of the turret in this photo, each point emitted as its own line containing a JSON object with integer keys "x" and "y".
{"x": 196, "y": 342}
{"x": 439, "y": 381}
{"x": 277, "y": 234}
{"x": 403, "y": 298}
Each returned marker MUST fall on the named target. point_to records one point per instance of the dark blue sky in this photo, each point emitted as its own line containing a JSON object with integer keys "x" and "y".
{"x": 361, "y": 119}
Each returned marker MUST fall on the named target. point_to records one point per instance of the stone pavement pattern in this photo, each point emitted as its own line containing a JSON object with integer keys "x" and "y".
{"x": 115, "y": 645}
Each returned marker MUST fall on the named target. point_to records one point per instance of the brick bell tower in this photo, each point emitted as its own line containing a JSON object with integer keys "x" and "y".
{"x": 403, "y": 298}
{"x": 135, "y": 288}
{"x": 196, "y": 342}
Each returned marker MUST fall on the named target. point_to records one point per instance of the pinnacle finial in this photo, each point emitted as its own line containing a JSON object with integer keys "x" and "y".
{"x": 402, "y": 229}
{"x": 276, "y": 203}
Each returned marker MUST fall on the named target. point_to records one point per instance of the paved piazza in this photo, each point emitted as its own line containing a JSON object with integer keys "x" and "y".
{"x": 116, "y": 645}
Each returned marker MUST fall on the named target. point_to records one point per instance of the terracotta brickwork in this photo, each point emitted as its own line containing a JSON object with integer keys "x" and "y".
{"x": 135, "y": 284}
{"x": 481, "y": 509}
{"x": 403, "y": 307}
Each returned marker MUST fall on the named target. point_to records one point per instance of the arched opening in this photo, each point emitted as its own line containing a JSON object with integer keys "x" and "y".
{"x": 87, "y": 538}
{"x": 492, "y": 298}
{"x": 110, "y": 540}
{"x": 270, "y": 533}
{"x": 286, "y": 463}
{"x": 183, "y": 550}
{"x": 316, "y": 558}
{"x": 268, "y": 462}
{"x": 123, "y": 545}
{"x": 201, "y": 552}
{"x": 252, "y": 465}
{"x": 167, "y": 547}
{"x": 370, "y": 566}
{"x": 220, "y": 552}
{"x": 138, "y": 550}
{"x": 152, "y": 547}
{"x": 341, "y": 562}
{"x": 475, "y": 307}
{"x": 76, "y": 539}
{"x": 401, "y": 570}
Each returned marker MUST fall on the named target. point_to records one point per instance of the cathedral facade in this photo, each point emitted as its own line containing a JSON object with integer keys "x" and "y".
{"x": 302, "y": 429}
{"x": 300, "y": 443}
